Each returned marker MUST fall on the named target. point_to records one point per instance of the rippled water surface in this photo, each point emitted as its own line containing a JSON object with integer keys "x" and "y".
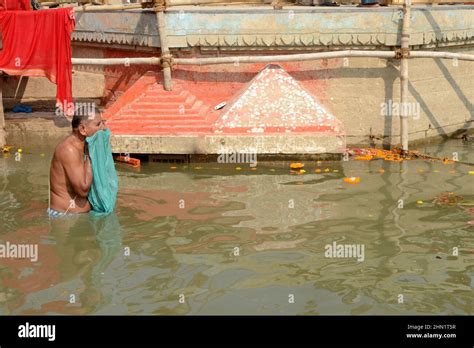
{"x": 210, "y": 239}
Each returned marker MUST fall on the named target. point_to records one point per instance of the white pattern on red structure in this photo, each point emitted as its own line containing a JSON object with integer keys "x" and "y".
{"x": 273, "y": 101}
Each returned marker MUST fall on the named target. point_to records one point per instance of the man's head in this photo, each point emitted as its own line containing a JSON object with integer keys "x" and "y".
{"x": 87, "y": 122}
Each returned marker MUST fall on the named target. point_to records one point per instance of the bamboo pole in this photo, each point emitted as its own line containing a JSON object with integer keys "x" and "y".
{"x": 118, "y": 7}
{"x": 405, "y": 51}
{"x": 269, "y": 59}
{"x": 319, "y": 55}
{"x": 93, "y": 8}
{"x": 3, "y": 140}
{"x": 447, "y": 55}
{"x": 116, "y": 61}
{"x": 170, "y": 3}
{"x": 233, "y": 59}
{"x": 284, "y": 58}
{"x": 165, "y": 52}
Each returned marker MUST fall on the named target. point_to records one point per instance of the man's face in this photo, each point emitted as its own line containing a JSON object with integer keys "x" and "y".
{"x": 92, "y": 125}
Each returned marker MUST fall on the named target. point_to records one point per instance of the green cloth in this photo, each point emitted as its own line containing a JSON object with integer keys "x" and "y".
{"x": 103, "y": 193}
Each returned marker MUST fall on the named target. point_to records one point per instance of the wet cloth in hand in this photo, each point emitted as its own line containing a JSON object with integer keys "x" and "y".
{"x": 103, "y": 193}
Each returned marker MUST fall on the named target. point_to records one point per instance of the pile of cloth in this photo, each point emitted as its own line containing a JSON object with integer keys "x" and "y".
{"x": 38, "y": 43}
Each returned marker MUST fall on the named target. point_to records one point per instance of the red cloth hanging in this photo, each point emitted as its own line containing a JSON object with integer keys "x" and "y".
{"x": 38, "y": 43}
{"x": 15, "y": 5}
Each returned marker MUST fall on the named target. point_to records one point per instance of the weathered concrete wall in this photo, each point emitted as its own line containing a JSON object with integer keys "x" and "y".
{"x": 442, "y": 89}
{"x": 352, "y": 89}
{"x": 41, "y": 93}
{"x": 293, "y": 27}
{"x": 271, "y": 144}
{"x": 32, "y": 130}
{"x": 355, "y": 90}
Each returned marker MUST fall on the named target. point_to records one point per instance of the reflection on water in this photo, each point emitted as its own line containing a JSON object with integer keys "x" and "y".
{"x": 241, "y": 242}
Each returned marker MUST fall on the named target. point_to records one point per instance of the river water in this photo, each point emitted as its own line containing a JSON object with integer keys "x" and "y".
{"x": 213, "y": 239}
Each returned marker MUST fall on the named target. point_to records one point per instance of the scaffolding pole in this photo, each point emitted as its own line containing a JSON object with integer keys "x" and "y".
{"x": 270, "y": 59}
{"x": 404, "y": 54}
{"x": 166, "y": 58}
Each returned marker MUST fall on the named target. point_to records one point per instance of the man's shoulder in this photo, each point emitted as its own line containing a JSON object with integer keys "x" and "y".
{"x": 65, "y": 149}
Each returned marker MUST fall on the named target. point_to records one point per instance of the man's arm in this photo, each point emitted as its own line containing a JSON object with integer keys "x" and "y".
{"x": 78, "y": 171}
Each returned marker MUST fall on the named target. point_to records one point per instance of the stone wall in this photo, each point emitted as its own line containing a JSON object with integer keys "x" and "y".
{"x": 353, "y": 89}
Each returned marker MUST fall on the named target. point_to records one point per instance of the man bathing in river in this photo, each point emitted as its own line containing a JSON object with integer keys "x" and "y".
{"x": 71, "y": 173}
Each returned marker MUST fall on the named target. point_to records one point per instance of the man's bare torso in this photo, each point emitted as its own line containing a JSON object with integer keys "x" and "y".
{"x": 63, "y": 196}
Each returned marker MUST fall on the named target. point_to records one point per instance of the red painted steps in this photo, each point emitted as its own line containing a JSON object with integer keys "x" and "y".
{"x": 160, "y": 112}
{"x": 137, "y": 117}
{"x": 177, "y": 96}
{"x": 158, "y": 109}
{"x": 153, "y": 122}
{"x": 146, "y": 109}
{"x": 157, "y": 130}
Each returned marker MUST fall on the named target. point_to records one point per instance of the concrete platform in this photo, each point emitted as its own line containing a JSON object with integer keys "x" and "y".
{"x": 272, "y": 114}
{"x": 275, "y": 144}
{"x": 356, "y": 90}
{"x": 38, "y": 128}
